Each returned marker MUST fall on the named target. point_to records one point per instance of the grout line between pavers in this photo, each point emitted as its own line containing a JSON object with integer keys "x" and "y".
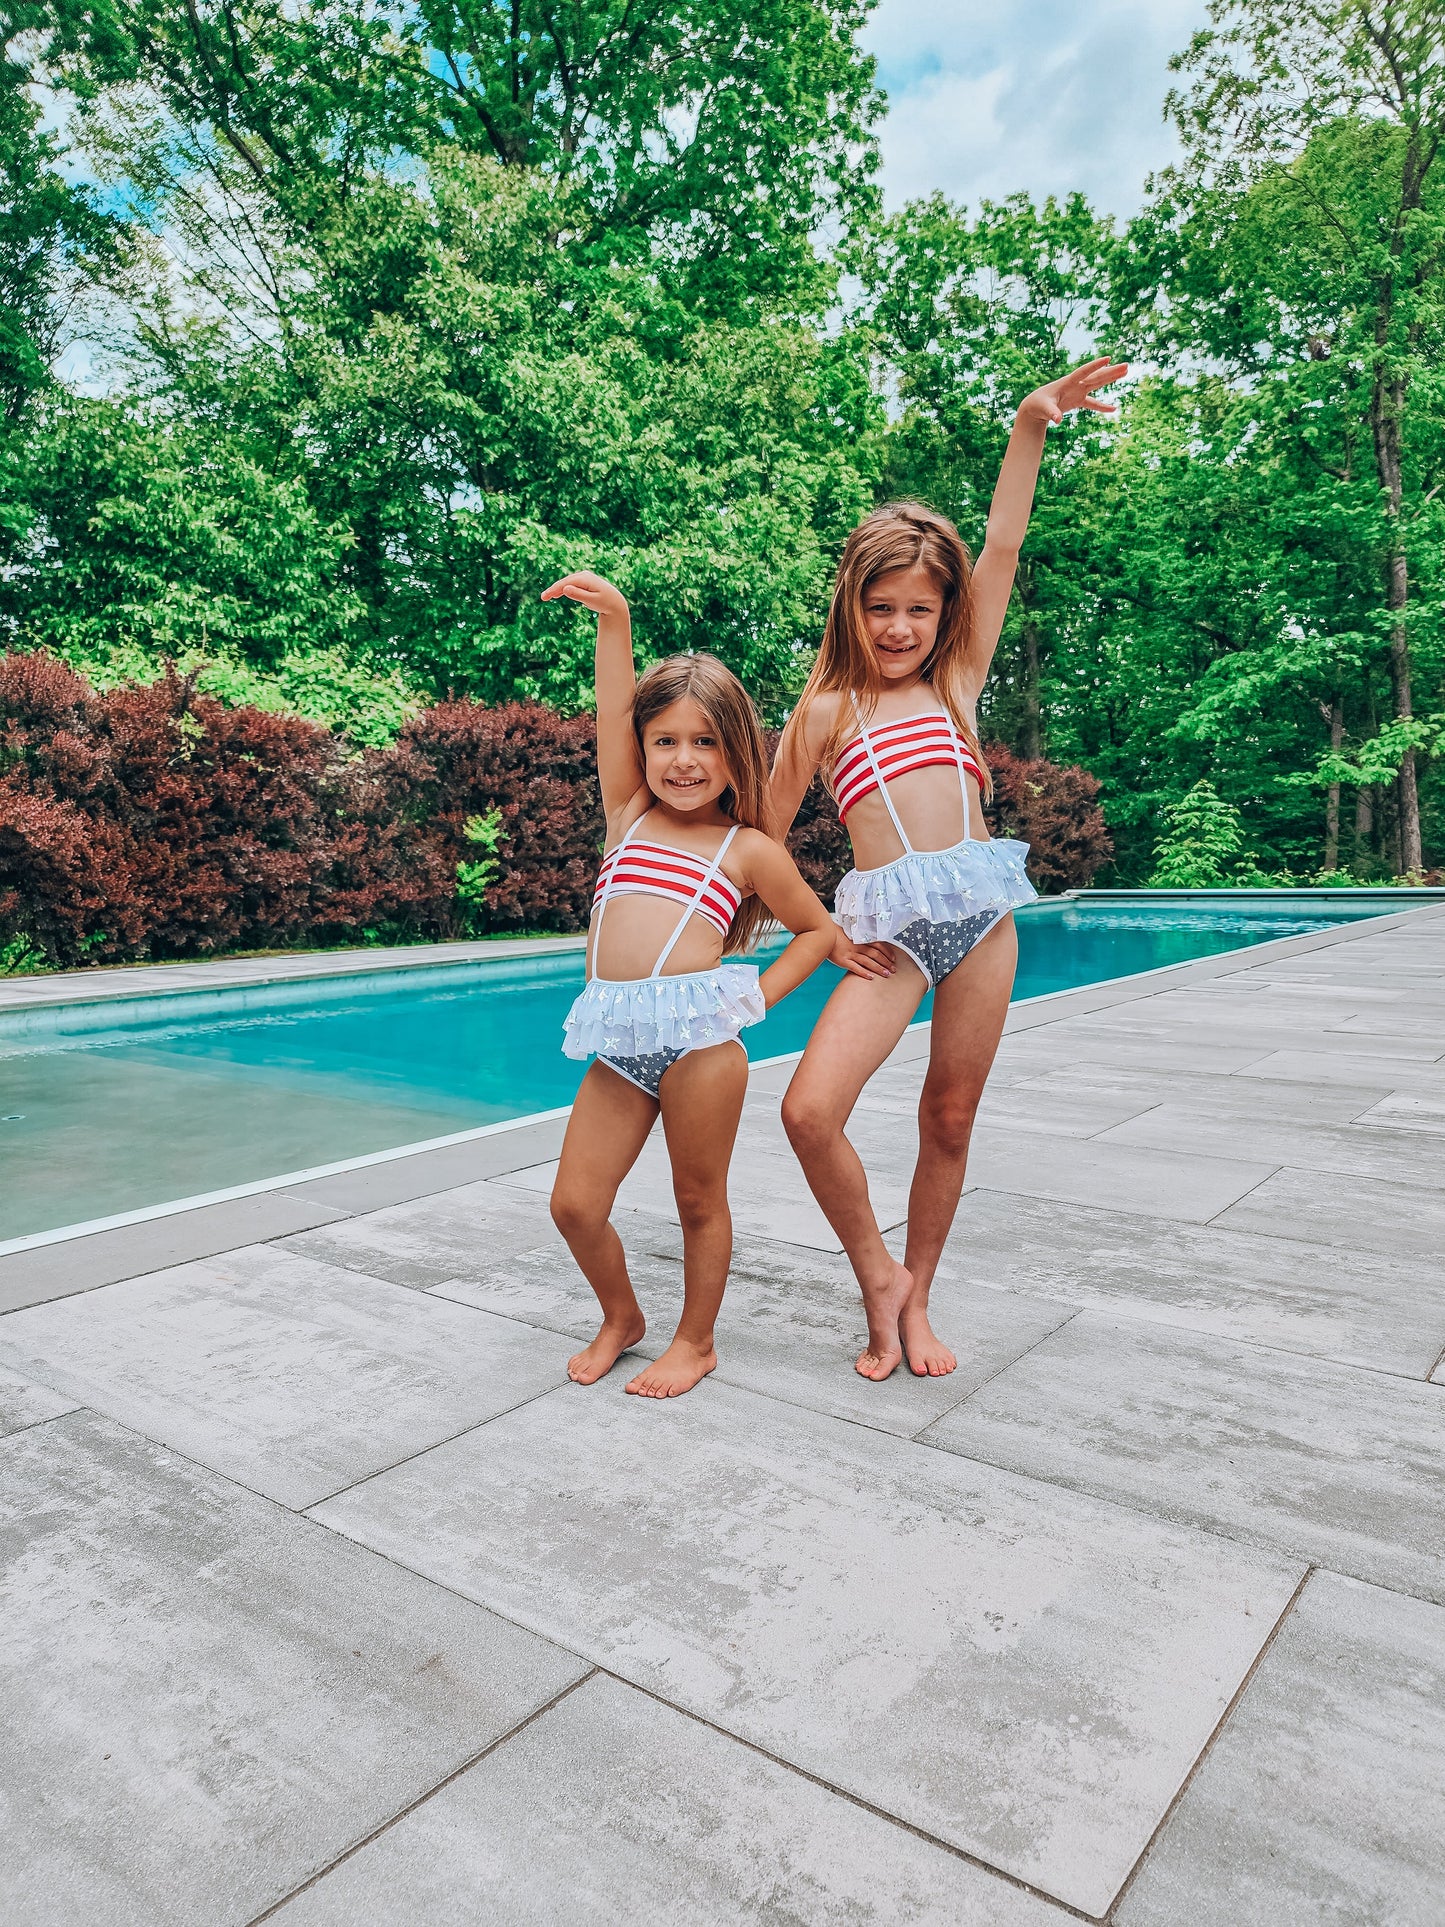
{"x": 854, "y": 1799}
{"x": 1231, "y": 1534}
{"x": 1007, "y": 1366}
{"x": 34, "y": 1424}
{"x": 421, "y": 1800}
{"x": 1208, "y": 1746}
{"x": 435, "y": 1445}
{"x": 1430, "y": 1375}
{"x": 1248, "y": 1192}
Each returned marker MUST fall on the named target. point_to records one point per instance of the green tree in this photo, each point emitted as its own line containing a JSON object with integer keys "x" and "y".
{"x": 1202, "y": 844}
{"x": 1301, "y": 246}
{"x": 969, "y": 314}
{"x": 51, "y": 232}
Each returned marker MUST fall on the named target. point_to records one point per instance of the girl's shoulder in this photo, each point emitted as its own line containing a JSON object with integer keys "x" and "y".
{"x": 820, "y": 718}
{"x": 748, "y": 849}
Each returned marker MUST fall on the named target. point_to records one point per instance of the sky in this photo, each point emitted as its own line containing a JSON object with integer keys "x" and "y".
{"x": 1048, "y": 96}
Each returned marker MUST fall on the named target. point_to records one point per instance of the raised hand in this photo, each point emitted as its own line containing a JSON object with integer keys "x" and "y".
{"x": 1074, "y": 390}
{"x": 594, "y": 592}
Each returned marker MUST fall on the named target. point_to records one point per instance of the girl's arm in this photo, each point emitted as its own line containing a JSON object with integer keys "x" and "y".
{"x": 619, "y": 767}
{"x": 796, "y": 764}
{"x": 772, "y": 875}
{"x": 794, "y": 768}
{"x": 1013, "y": 499}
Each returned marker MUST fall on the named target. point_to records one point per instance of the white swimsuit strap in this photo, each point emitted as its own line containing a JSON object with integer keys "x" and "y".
{"x": 615, "y": 853}
{"x": 962, "y": 772}
{"x": 866, "y": 741}
{"x": 697, "y": 897}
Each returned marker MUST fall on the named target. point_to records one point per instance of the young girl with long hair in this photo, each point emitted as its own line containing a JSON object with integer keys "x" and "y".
{"x": 688, "y": 877}
{"x": 889, "y": 715}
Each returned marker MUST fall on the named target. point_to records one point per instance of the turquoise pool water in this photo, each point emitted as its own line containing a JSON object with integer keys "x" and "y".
{"x": 109, "y": 1109}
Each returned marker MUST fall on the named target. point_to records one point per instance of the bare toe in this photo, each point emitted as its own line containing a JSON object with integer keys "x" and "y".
{"x": 680, "y": 1367}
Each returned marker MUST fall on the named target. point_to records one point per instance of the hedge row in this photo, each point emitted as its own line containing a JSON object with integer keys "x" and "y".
{"x": 157, "y": 822}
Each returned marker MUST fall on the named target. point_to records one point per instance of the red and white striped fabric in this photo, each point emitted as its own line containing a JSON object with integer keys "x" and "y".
{"x": 913, "y": 742}
{"x": 654, "y": 870}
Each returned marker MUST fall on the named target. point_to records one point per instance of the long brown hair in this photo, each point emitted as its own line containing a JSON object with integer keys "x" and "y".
{"x": 901, "y": 535}
{"x": 729, "y": 708}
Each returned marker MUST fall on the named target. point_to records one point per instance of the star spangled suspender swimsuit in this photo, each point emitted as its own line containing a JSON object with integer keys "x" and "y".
{"x": 933, "y": 904}
{"x": 640, "y": 1026}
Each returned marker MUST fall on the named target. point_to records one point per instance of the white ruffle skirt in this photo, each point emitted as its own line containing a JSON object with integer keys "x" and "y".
{"x": 636, "y": 1016}
{"x": 945, "y": 886}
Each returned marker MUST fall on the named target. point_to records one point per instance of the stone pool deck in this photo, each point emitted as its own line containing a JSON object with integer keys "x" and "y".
{"x": 327, "y": 1601}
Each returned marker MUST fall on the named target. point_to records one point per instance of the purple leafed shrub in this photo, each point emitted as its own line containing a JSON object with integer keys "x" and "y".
{"x": 157, "y": 822}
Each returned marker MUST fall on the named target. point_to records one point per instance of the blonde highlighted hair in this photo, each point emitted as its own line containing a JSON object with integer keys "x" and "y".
{"x": 901, "y": 535}
{"x": 729, "y": 708}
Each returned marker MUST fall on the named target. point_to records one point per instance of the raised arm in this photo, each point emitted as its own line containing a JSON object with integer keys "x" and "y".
{"x": 619, "y": 767}
{"x": 1013, "y": 498}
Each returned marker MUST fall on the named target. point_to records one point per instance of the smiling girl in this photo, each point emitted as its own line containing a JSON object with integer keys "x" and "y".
{"x": 889, "y": 715}
{"x": 687, "y": 877}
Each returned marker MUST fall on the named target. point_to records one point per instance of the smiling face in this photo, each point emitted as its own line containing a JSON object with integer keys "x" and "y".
{"x": 684, "y": 760}
{"x": 901, "y": 612}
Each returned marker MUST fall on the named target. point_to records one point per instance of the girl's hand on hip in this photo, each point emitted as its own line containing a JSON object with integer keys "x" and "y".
{"x": 1056, "y": 399}
{"x": 861, "y": 959}
{"x": 594, "y": 592}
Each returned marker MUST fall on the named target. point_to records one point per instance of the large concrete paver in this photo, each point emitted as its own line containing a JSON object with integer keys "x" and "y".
{"x": 206, "y": 1698}
{"x": 1326, "y": 1066}
{"x": 425, "y": 1241}
{"x": 612, "y": 1809}
{"x": 23, "y": 1403}
{"x": 791, "y": 1326}
{"x": 1017, "y": 1670}
{"x": 1364, "y": 1150}
{"x": 291, "y": 1376}
{"x": 1244, "y": 1099}
{"x": 1388, "y": 1313}
{"x": 47, "y": 1272}
{"x": 1337, "y": 1466}
{"x": 1359, "y": 1214}
{"x": 1155, "y": 1184}
{"x": 1319, "y": 1804}
{"x": 1408, "y": 1113}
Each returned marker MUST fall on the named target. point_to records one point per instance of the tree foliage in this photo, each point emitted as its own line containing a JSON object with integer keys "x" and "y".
{"x": 397, "y": 314}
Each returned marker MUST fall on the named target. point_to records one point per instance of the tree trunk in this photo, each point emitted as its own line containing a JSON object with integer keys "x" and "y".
{"x": 1332, "y": 794}
{"x": 1387, "y": 415}
{"x": 1031, "y": 722}
{"x": 1364, "y": 822}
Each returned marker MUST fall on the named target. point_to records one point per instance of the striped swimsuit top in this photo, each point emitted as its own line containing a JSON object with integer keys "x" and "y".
{"x": 883, "y": 750}
{"x": 638, "y": 869}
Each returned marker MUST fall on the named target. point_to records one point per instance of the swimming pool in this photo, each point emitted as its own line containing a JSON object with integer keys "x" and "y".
{"x": 113, "y": 1108}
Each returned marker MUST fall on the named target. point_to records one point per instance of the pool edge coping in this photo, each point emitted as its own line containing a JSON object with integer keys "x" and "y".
{"x": 1028, "y": 1013}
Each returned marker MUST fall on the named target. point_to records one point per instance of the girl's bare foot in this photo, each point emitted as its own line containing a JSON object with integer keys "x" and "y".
{"x": 681, "y": 1366}
{"x": 586, "y": 1367}
{"x": 928, "y": 1356}
{"x": 883, "y": 1301}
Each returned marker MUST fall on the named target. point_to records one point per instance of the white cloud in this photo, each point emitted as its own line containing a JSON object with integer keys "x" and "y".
{"x": 1044, "y": 96}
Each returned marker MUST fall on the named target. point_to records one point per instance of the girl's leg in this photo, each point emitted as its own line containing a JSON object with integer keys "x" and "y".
{"x": 605, "y": 1135}
{"x": 969, "y": 1008}
{"x": 702, "y": 1101}
{"x": 860, "y": 1024}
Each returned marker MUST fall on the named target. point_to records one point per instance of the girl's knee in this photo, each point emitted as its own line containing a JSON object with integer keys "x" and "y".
{"x": 807, "y": 1124}
{"x": 576, "y": 1214}
{"x": 699, "y": 1204}
{"x": 947, "y": 1122}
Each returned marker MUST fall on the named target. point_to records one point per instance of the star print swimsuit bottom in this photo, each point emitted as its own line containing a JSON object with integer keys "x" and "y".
{"x": 640, "y": 1026}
